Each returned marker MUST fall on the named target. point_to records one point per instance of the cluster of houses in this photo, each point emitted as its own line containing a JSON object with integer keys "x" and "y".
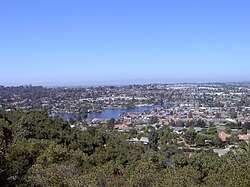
{"x": 224, "y": 136}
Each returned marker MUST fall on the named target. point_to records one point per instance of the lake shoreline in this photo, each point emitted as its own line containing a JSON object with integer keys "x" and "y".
{"x": 107, "y": 113}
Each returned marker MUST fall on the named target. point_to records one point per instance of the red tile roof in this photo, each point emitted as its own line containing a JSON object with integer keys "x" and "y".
{"x": 244, "y": 136}
{"x": 223, "y": 135}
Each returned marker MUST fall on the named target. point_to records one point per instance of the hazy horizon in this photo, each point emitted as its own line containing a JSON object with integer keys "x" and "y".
{"x": 77, "y": 43}
{"x": 123, "y": 83}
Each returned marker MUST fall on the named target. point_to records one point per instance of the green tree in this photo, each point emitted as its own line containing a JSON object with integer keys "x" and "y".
{"x": 244, "y": 148}
{"x": 153, "y": 139}
{"x": 190, "y": 136}
{"x": 54, "y": 175}
{"x": 217, "y": 141}
{"x": 111, "y": 123}
{"x": 233, "y": 115}
{"x": 228, "y": 130}
{"x": 200, "y": 139}
{"x": 246, "y": 125}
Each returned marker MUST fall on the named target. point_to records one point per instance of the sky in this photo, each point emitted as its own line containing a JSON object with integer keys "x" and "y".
{"x": 92, "y": 42}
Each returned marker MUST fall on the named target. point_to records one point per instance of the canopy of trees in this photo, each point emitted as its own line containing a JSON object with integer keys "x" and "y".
{"x": 36, "y": 150}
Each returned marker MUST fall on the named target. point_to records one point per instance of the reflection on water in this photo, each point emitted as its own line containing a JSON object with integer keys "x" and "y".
{"x": 110, "y": 112}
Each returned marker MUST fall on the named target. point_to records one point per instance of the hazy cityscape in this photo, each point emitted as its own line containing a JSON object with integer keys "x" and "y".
{"x": 135, "y": 107}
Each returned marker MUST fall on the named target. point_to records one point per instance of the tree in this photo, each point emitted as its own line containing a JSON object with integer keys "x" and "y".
{"x": 179, "y": 160}
{"x": 211, "y": 130}
{"x": 246, "y": 125}
{"x": 201, "y": 123}
{"x": 190, "y": 115}
{"x": 232, "y": 139}
{"x": 180, "y": 123}
{"x": 216, "y": 140}
{"x": 111, "y": 123}
{"x": 71, "y": 121}
{"x": 218, "y": 115}
{"x": 153, "y": 120}
{"x": 233, "y": 115}
{"x": 55, "y": 155}
{"x": 142, "y": 174}
{"x": 243, "y": 131}
{"x": 54, "y": 175}
{"x": 153, "y": 139}
{"x": 200, "y": 140}
{"x": 181, "y": 176}
{"x": 132, "y": 132}
{"x": 190, "y": 136}
{"x": 21, "y": 156}
{"x": 228, "y": 130}
{"x": 244, "y": 148}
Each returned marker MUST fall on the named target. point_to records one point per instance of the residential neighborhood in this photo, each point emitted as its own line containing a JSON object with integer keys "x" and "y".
{"x": 225, "y": 107}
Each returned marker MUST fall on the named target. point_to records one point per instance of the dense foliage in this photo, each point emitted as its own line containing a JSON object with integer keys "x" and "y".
{"x": 37, "y": 150}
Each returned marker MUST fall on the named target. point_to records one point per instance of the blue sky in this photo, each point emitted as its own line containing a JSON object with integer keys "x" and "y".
{"x": 86, "y": 42}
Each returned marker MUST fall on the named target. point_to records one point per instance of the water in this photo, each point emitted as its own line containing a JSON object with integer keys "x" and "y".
{"x": 115, "y": 113}
{"x": 108, "y": 113}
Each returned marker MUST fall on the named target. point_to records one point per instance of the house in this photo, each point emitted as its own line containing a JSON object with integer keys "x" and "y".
{"x": 223, "y": 136}
{"x": 244, "y": 136}
{"x": 179, "y": 130}
{"x": 221, "y": 152}
{"x": 198, "y": 129}
{"x": 124, "y": 129}
{"x": 143, "y": 140}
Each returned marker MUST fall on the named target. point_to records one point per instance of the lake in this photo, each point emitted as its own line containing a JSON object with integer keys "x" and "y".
{"x": 108, "y": 113}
